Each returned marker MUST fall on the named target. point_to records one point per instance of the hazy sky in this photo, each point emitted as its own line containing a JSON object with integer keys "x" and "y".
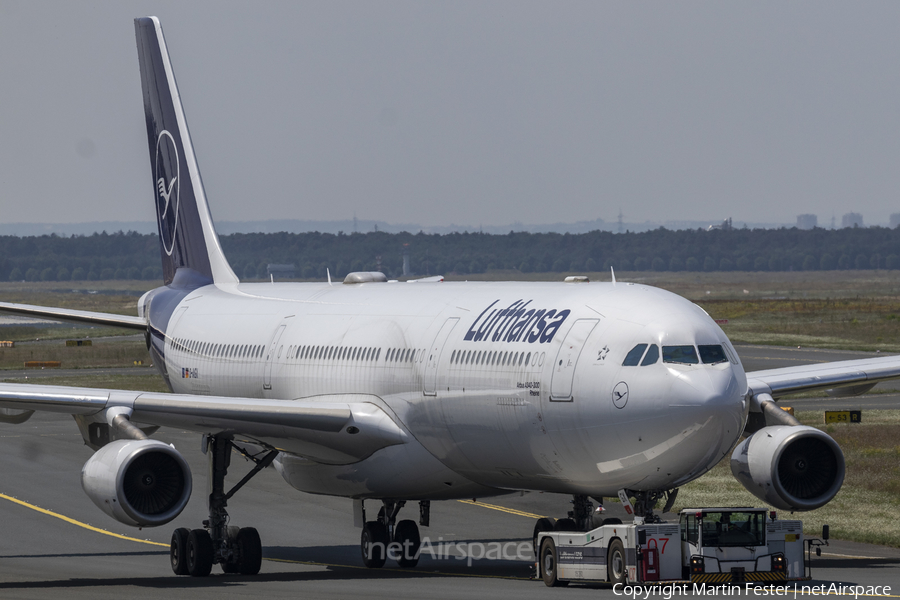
{"x": 466, "y": 112}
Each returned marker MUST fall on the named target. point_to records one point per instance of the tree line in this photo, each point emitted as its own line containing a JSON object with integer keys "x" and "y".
{"x": 130, "y": 255}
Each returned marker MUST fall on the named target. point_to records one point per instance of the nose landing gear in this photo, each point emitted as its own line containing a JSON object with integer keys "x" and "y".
{"x": 237, "y": 550}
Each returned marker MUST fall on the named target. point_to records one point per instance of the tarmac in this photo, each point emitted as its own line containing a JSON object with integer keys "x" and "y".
{"x": 55, "y": 541}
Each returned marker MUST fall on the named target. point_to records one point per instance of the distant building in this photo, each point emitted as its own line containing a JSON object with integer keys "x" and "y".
{"x": 724, "y": 225}
{"x": 852, "y": 220}
{"x": 281, "y": 271}
{"x": 895, "y": 220}
{"x": 807, "y": 221}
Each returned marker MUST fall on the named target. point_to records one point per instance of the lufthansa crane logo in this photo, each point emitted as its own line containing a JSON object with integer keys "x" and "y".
{"x": 620, "y": 394}
{"x": 167, "y": 173}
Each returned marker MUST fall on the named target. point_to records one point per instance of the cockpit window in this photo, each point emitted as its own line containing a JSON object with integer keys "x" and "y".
{"x": 712, "y": 354}
{"x": 680, "y": 354}
{"x": 634, "y": 356}
{"x": 652, "y": 356}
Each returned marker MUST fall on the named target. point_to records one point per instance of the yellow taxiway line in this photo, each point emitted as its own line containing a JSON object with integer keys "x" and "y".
{"x": 511, "y": 511}
{"x": 79, "y": 523}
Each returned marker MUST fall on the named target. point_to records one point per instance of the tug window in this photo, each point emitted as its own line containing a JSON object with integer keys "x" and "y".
{"x": 712, "y": 355}
{"x": 633, "y": 358}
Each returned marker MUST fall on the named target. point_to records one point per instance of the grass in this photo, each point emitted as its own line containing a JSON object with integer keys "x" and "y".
{"x": 864, "y": 323}
{"x": 147, "y": 382}
{"x": 866, "y": 507}
{"x": 105, "y": 352}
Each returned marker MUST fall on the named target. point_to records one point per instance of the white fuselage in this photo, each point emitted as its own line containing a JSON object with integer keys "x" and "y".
{"x": 501, "y": 386}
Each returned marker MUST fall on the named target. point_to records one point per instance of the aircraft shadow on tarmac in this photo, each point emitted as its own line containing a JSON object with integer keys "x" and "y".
{"x": 87, "y": 554}
{"x": 853, "y": 563}
{"x": 339, "y": 562}
{"x": 348, "y": 557}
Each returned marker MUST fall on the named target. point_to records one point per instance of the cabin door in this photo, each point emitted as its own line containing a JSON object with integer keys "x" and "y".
{"x": 433, "y": 358}
{"x": 567, "y": 358}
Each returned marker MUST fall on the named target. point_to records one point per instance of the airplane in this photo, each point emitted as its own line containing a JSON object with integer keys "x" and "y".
{"x": 420, "y": 391}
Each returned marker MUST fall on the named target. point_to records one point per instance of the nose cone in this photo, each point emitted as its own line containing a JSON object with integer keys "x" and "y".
{"x": 684, "y": 431}
{"x": 708, "y": 405}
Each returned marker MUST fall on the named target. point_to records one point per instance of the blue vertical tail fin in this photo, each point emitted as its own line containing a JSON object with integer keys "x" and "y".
{"x": 191, "y": 254}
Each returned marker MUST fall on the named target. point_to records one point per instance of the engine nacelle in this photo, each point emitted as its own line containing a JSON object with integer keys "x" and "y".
{"x": 143, "y": 483}
{"x": 791, "y": 468}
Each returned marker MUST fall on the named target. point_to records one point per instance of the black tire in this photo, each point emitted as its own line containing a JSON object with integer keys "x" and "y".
{"x": 543, "y": 524}
{"x": 373, "y": 544}
{"x": 611, "y": 521}
{"x": 566, "y": 525}
{"x": 406, "y": 534}
{"x": 616, "y": 571}
{"x": 231, "y": 567}
{"x": 178, "y": 551}
{"x": 199, "y": 553}
{"x": 249, "y": 550}
{"x": 549, "y": 565}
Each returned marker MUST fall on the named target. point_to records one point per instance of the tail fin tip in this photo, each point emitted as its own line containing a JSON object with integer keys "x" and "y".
{"x": 187, "y": 235}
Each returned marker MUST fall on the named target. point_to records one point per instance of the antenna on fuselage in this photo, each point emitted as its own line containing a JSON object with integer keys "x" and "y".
{"x": 613, "y": 273}
{"x": 328, "y": 272}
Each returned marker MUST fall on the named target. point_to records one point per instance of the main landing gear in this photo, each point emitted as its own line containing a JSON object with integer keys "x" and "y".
{"x": 386, "y": 538}
{"x": 238, "y": 550}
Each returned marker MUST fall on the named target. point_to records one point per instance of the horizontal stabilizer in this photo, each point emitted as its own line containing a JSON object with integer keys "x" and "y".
{"x": 73, "y": 316}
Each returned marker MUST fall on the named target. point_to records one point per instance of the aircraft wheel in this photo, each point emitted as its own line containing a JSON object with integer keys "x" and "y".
{"x": 199, "y": 553}
{"x": 373, "y": 544}
{"x": 615, "y": 563}
{"x": 406, "y": 534}
{"x": 549, "y": 566}
{"x": 249, "y": 548}
{"x": 178, "y": 551}
{"x": 566, "y": 525}
{"x": 543, "y": 524}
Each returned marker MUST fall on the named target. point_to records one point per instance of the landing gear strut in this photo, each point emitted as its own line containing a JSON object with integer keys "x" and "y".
{"x": 645, "y": 502}
{"x": 238, "y": 550}
{"x": 386, "y": 538}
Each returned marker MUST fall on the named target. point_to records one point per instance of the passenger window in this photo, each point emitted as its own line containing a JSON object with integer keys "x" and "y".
{"x": 712, "y": 354}
{"x": 527, "y": 358}
{"x": 634, "y": 356}
{"x": 686, "y": 355}
{"x": 652, "y": 356}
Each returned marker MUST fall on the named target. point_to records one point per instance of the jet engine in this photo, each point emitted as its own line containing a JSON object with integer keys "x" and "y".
{"x": 142, "y": 483}
{"x": 790, "y": 467}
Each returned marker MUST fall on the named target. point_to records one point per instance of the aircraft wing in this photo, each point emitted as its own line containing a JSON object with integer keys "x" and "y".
{"x": 75, "y": 316}
{"x": 861, "y": 373}
{"x": 333, "y": 429}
